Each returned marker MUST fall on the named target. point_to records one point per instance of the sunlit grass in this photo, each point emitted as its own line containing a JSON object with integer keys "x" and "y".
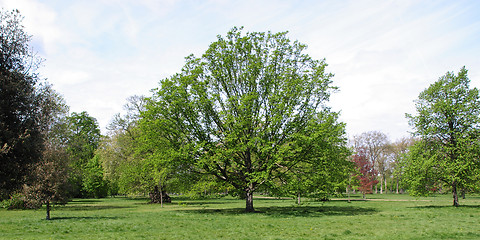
{"x": 388, "y": 217}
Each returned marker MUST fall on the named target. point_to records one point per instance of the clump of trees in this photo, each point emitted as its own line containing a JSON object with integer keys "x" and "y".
{"x": 377, "y": 162}
{"x": 442, "y": 154}
{"x": 42, "y": 147}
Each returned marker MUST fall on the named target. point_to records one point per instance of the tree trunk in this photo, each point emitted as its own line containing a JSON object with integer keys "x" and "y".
{"x": 381, "y": 185}
{"x": 364, "y": 197}
{"x": 161, "y": 196}
{"x": 397, "y": 185}
{"x": 385, "y": 179}
{"x": 157, "y": 196}
{"x": 463, "y": 193}
{"x": 48, "y": 211}
{"x": 455, "y": 196}
{"x": 249, "y": 200}
{"x": 299, "y": 199}
{"x": 348, "y": 193}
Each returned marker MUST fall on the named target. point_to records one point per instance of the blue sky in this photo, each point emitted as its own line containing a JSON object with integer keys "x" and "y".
{"x": 383, "y": 53}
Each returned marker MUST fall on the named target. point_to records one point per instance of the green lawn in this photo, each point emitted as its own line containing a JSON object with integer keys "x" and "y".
{"x": 387, "y": 217}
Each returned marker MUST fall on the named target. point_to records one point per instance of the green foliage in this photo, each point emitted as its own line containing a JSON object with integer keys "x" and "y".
{"x": 84, "y": 137}
{"x": 448, "y": 123}
{"x": 117, "y": 158}
{"x": 94, "y": 184}
{"x": 120, "y": 157}
{"x": 323, "y": 167}
{"x": 206, "y": 187}
{"x": 82, "y": 140}
{"x": 420, "y": 171}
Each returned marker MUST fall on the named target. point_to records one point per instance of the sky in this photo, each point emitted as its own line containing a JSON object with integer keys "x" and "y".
{"x": 383, "y": 53}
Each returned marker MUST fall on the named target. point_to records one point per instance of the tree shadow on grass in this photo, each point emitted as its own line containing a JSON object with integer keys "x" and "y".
{"x": 195, "y": 203}
{"x": 297, "y": 211}
{"x": 83, "y": 218}
{"x": 84, "y": 201}
{"x": 91, "y": 207}
{"x": 446, "y": 206}
{"x": 186, "y": 203}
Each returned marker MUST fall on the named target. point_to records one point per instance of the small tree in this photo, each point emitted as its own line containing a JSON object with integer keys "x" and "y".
{"x": 50, "y": 181}
{"x": 448, "y": 123}
{"x": 366, "y": 174}
{"x": 374, "y": 146}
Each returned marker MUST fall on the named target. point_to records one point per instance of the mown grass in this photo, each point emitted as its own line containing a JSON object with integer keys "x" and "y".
{"x": 387, "y": 217}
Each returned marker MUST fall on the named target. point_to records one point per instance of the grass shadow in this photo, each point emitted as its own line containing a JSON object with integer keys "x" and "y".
{"x": 186, "y": 203}
{"x": 91, "y": 207}
{"x": 446, "y": 206}
{"x": 83, "y": 218}
{"x": 297, "y": 211}
{"x": 84, "y": 201}
{"x": 200, "y": 203}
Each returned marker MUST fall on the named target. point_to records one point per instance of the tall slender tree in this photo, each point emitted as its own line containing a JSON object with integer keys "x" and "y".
{"x": 366, "y": 173}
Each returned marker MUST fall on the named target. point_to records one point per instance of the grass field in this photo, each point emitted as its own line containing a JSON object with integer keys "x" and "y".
{"x": 385, "y": 217}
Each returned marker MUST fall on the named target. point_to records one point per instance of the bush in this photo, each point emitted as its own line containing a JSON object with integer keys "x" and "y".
{"x": 16, "y": 201}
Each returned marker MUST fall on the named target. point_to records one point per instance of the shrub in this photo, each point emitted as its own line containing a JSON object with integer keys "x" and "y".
{"x": 16, "y": 201}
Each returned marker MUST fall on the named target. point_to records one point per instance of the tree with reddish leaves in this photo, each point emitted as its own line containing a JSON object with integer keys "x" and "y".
{"x": 366, "y": 173}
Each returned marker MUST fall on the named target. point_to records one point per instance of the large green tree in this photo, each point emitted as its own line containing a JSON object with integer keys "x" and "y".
{"x": 241, "y": 109}
{"x": 448, "y": 123}
{"x": 20, "y": 134}
{"x": 83, "y": 138}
